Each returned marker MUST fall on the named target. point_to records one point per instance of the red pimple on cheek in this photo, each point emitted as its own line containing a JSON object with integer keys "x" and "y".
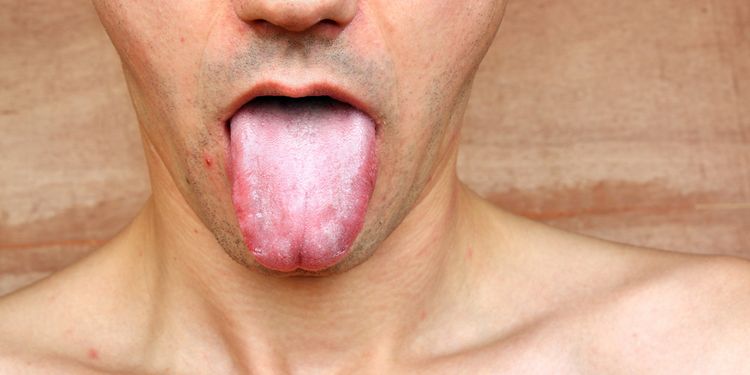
{"x": 469, "y": 252}
{"x": 182, "y": 39}
{"x": 93, "y": 354}
{"x": 209, "y": 162}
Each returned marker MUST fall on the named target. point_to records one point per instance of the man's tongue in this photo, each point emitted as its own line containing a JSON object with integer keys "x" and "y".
{"x": 302, "y": 172}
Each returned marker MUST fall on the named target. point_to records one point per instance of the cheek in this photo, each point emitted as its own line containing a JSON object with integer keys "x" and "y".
{"x": 436, "y": 54}
{"x": 159, "y": 43}
{"x": 439, "y": 38}
{"x": 434, "y": 64}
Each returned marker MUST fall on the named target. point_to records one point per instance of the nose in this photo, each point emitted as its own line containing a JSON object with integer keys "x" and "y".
{"x": 296, "y": 15}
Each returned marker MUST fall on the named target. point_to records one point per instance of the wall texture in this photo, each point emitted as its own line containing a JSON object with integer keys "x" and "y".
{"x": 624, "y": 120}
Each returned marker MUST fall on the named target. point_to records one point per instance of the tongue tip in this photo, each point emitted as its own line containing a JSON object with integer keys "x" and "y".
{"x": 314, "y": 252}
{"x": 301, "y": 263}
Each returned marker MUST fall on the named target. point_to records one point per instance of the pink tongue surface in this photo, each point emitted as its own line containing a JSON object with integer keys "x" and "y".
{"x": 302, "y": 172}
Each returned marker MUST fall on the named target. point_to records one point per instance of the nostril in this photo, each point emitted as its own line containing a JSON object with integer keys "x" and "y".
{"x": 262, "y": 25}
{"x": 325, "y": 27}
{"x": 297, "y": 15}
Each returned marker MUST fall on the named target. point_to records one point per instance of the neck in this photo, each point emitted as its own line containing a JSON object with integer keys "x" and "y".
{"x": 330, "y": 321}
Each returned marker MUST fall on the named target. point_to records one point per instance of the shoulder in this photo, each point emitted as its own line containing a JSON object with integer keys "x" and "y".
{"x": 694, "y": 314}
{"x": 33, "y": 333}
{"x": 63, "y": 324}
{"x": 23, "y": 338}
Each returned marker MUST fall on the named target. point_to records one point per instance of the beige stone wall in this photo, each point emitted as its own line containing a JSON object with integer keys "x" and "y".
{"x": 620, "y": 119}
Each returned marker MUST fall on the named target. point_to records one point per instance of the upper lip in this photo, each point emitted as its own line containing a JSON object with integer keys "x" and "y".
{"x": 276, "y": 88}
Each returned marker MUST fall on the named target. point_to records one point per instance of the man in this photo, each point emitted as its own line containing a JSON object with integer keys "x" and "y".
{"x": 306, "y": 218}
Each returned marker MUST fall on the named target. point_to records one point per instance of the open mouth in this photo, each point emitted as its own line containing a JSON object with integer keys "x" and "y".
{"x": 302, "y": 171}
{"x": 298, "y": 104}
{"x": 294, "y": 106}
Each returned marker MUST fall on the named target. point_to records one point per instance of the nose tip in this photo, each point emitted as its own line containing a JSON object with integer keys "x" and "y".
{"x": 296, "y": 15}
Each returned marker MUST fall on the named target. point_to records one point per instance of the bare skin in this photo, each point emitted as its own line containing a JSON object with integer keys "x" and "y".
{"x": 439, "y": 280}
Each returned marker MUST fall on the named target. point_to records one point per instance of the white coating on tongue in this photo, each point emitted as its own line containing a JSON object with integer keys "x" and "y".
{"x": 302, "y": 173}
